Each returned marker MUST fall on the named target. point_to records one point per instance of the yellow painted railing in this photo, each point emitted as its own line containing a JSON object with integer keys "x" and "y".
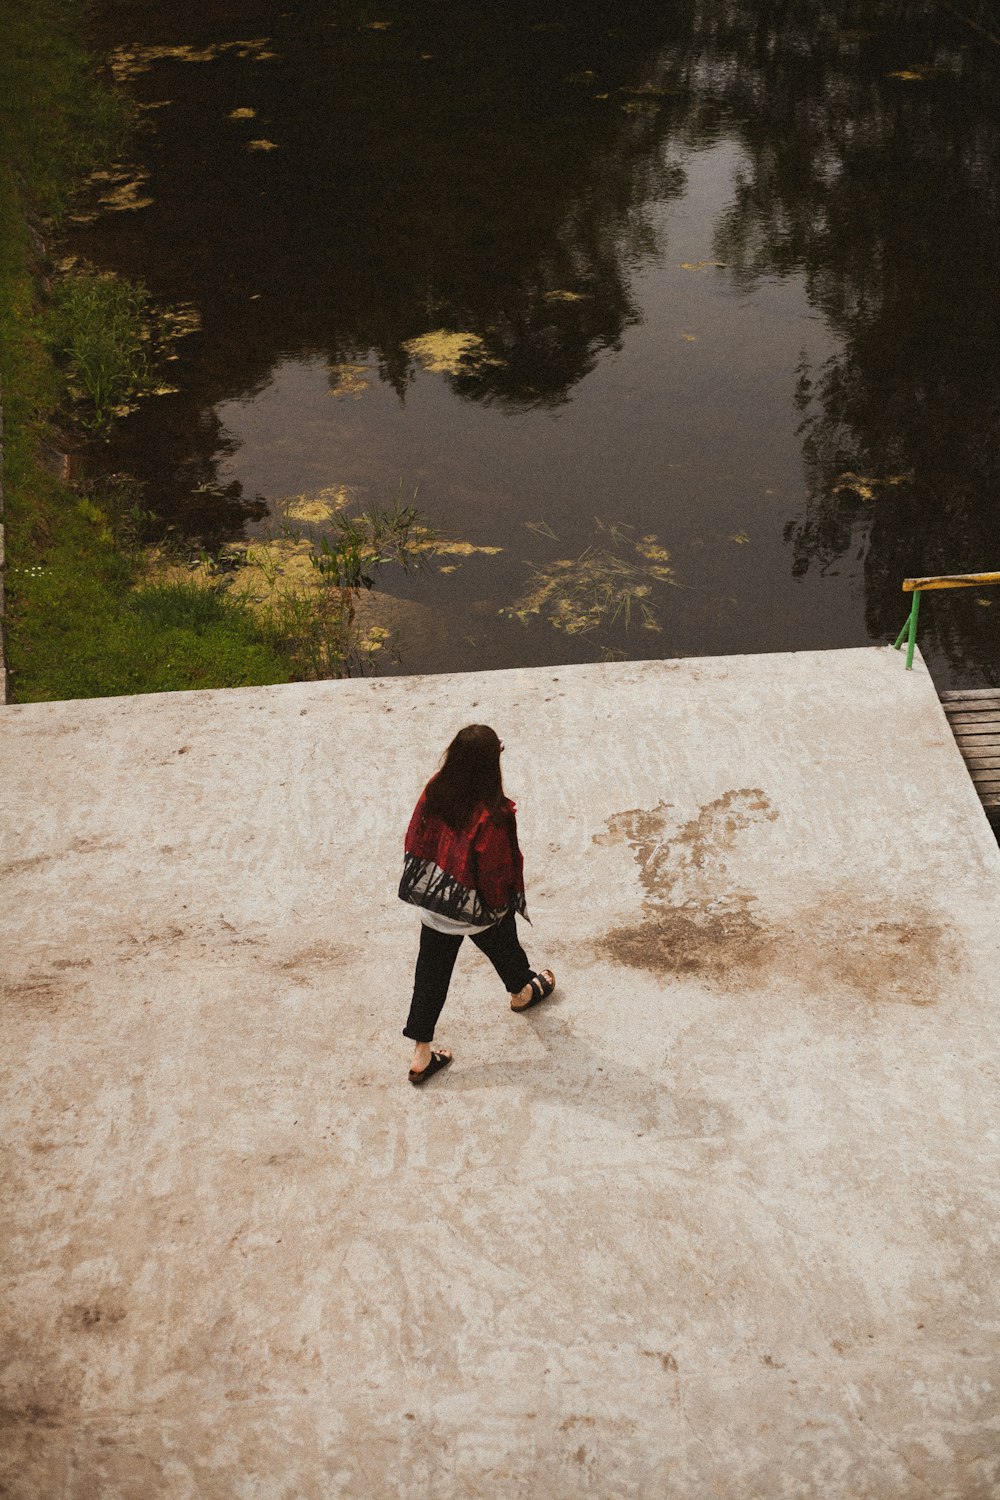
{"x": 917, "y": 586}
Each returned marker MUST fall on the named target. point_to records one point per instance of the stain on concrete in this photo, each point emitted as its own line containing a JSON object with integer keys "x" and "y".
{"x": 667, "y": 1360}
{"x": 699, "y": 921}
{"x": 35, "y": 991}
{"x": 717, "y": 945}
{"x": 304, "y": 962}
{"x": 91, "y": 1317}
{"x": 31, "y": 1414}
{"x": 78, "y": 846}
{"x": 694, "y": 920}
{"x": 672, "y": 859}
{"x": 852, "y": 949}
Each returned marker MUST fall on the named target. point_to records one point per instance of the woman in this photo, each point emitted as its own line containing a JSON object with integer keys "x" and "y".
{"x": 462, "y": 867}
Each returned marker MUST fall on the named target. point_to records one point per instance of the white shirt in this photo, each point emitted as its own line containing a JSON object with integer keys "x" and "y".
{"x": 450, "y": 925}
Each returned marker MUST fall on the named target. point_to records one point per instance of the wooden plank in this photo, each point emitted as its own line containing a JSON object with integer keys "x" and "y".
{"x": 984, "y": 726}
{"x": 950, "y": 581}
{"x": 990, "y": 705}
{"x": 982, "y": 762}
{"x": 953, "y": 695}
{"x": 986, "y": 784}
{"x": 974, "y": 721}
{"x": 991, "y": 801}
{"x": 974, "y": 737}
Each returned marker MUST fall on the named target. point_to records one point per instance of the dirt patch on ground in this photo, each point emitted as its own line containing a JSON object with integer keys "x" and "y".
{"x": 31, "y": 1414}
{"x": 695, "y": 920}
{"x": 36, "y": 992}
{"x": 683, "y": 863}
{"x": 93, "y": 1317}
{"x": 304, "y": 964}
{"x": 678, "y": 941}
{"x": 845, "y": 946}
{"x": 77, "y": 846}
{"x": 699, "y": 920}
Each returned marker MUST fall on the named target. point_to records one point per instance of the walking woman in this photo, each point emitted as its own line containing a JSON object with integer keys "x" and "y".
{"x": 463, "y": 868}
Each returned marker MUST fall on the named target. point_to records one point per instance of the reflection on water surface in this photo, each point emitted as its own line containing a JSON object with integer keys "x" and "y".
{"x": 722, "y": 275}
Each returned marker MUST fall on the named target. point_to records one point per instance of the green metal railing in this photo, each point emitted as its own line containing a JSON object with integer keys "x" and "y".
{"x": 917, "y": 586}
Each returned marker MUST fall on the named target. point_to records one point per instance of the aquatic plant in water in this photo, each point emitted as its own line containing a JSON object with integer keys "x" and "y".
{"x": 610, "y": 580}
{"x": 108, "y": 338}
{"x": 306, "y": 596}
{"x": 98, "y": 329}
{"x": 129, "y": 62}
{"x": 446, "y": 353}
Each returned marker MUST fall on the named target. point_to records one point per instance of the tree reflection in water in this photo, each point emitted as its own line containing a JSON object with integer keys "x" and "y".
{"x": 499, "y": 171}
{"x": 884, "y": 191}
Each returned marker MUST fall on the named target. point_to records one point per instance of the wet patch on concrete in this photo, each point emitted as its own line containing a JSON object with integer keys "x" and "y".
{"x": 844, "y": 945}
{"x": 694, "y": 919}
{"x": 693, "y": 856}
{"x": 698, "y": 921}
{"x": 725, "y": 945}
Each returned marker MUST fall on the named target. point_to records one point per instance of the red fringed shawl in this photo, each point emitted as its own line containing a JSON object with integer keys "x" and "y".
{"x": 475, "y": 875}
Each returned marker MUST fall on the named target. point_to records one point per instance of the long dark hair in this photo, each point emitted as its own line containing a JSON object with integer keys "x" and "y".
{"x": 469, "y": 778}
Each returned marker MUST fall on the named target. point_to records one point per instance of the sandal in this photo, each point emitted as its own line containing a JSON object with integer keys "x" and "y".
{"x": 438, "y": 1061}
{"x": 542, "y": 986}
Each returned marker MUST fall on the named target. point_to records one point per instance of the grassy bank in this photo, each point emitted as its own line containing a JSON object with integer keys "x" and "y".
{"x": 82, "y": 629}
{"x": 76, "y": 624}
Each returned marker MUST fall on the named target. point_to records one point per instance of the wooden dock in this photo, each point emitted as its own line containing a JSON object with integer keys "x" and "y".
{"x": 974, "y": 716}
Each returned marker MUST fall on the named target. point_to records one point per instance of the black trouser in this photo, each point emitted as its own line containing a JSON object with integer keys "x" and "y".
{"x": 436, "y": 959}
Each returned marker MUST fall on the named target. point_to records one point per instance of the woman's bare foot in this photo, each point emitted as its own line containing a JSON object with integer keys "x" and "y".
{"x": 536, "y": 989}
{"x": 422, "y": 1056}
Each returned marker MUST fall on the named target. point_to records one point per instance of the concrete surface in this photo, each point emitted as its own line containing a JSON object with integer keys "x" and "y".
{"x": 721, "y": 1219}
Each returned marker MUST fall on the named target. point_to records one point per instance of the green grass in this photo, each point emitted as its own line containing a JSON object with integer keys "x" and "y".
{"x": 98, "y": 328}
{"x": 75, "y": 624}
{"x": 56, "y": 121}
{"x": 94, "y": 635}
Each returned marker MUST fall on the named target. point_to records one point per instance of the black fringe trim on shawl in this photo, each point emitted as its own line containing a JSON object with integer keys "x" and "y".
{"x": 425, "y": 884}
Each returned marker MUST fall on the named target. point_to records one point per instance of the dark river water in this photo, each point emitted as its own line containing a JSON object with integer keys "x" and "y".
{"x": 694, "y": 303}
